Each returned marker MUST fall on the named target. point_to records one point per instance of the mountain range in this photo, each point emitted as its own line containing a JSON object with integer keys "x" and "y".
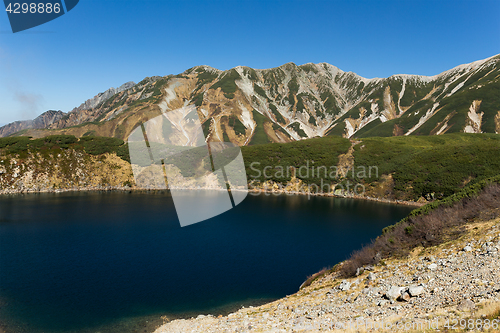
{"x": 252, "y": 106}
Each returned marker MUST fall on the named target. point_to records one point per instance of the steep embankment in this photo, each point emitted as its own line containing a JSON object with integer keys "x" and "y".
{"x": 63, "y": 163}
{"x": 64, "y": 170}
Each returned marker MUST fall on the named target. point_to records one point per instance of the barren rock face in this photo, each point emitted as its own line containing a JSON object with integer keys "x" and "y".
{"x": 43, "y": 121}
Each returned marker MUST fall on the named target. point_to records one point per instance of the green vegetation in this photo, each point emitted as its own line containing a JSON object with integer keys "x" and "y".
{"x": 16, "y": 145}
{"x": 309, "y": 68}
{"x": 337, "y": 130}
{"x": 300, "y": 104}
{"x": 89, "y": 144}
{"x": 409, "y": 119}
{"x": 227, "y": 83}
{"x": 293, "y": 88}
{"x": 237, "y": 125}
{"x": 415, "y": 91}
{"x": 279, "y": 117}
{"x": 276, "y": 156}
{"x": 206, "y": 127}
{"x": 259, "y": 90}
{"x": 272, "y": 79}
{"x": 470, "y": 192}
{"x": 204, "y": 76}
{"x": 198, "y": 99}
{"x": 259, "y": 136}
{"x": 225, "y": 137}
{"x": 97, "y": 145}
{"x": 312, "y": 121}
{"x": 154, "y": 90}
{"x": 460, "y": 103}
{"x": 368, "y": 127}
{"x": 250, "y": 72}
{"x": 296, "y": 127}
{"x": 433, "y": 165}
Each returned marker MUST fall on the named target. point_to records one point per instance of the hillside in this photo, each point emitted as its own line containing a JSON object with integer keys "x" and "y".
{"x": 252, "y": 106}
{"x": 398, "y": 168}
{"x": 415, "y": 168}
{"x": 63, "y": 163}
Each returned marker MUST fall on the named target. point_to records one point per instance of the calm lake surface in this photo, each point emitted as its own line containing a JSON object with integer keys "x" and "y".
{"x": 117, "y": 261}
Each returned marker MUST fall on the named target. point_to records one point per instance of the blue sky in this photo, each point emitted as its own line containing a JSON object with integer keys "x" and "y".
{"x": 102, "y": 44}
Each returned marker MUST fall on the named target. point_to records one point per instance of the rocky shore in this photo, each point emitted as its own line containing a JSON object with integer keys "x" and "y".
{"x": 257, "y": 191}
{"x": 71, "y": 170}
{"x": 433, "y": 289}
{"x": 21, "y": 188}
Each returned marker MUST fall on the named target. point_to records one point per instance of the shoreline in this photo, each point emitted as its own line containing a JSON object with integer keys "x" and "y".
{"x": 382, "y": 200}
{"x": 405, "y": 291}
{"x": 251, "y": 191}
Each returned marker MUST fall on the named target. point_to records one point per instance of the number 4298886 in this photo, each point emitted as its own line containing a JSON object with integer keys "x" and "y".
{"x": 33, "y": 8}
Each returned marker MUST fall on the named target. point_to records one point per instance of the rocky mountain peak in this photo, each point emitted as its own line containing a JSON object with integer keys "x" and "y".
{"x": 290, "y": 102}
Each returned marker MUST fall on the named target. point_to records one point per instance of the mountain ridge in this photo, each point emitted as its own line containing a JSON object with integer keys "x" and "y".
{"x": 290, "y": 102}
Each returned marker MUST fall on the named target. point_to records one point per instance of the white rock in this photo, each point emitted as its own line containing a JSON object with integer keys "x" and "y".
{"x": 432, "y": 267}
{"x": 394, "y": 292}
{"x": 345, "y": 285}
{"x": 415, "y": 290}
{"x": 465, "y": 305}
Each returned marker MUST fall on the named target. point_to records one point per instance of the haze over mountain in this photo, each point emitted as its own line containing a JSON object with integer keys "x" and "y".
{"x": 290, "y": 102}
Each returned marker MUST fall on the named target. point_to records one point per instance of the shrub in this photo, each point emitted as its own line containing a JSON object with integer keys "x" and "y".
{"x": 310, "y": 279}
{"x": 97, "y": 145}
{"x": 430, "y": 225}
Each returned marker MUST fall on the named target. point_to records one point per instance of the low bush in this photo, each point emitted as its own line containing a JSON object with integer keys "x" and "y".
{"x": 430, "y": 225}
{"x": 90, "y": 144}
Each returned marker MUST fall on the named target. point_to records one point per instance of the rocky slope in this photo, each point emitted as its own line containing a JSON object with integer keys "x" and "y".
{"x": 458, "y": 280}
{"x": 42, "y": 121}
{"x": 288, "y": 103}
{"x": 63, "y": 170}
{"x": 59, "y": 119}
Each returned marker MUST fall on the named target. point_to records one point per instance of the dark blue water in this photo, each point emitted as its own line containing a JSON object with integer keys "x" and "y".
{"x": 109, "y": 262}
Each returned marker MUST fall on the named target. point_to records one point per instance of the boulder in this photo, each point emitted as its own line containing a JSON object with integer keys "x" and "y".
{"x": 394, "y": 292}
{"x": 345, "y": 285}
{"x": 415, "y": 290}
{"x": 466, "y": 305}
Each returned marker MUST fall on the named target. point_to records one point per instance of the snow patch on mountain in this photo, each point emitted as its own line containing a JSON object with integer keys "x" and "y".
{"x": 474, "y": 118}
{"x": 423, "y": 119}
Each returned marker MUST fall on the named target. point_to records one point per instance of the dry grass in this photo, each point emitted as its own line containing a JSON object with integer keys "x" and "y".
{"x": 310, "y": 279}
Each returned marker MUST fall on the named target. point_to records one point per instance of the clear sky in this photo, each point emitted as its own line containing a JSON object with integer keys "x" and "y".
{"x": 105, "y": 43}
